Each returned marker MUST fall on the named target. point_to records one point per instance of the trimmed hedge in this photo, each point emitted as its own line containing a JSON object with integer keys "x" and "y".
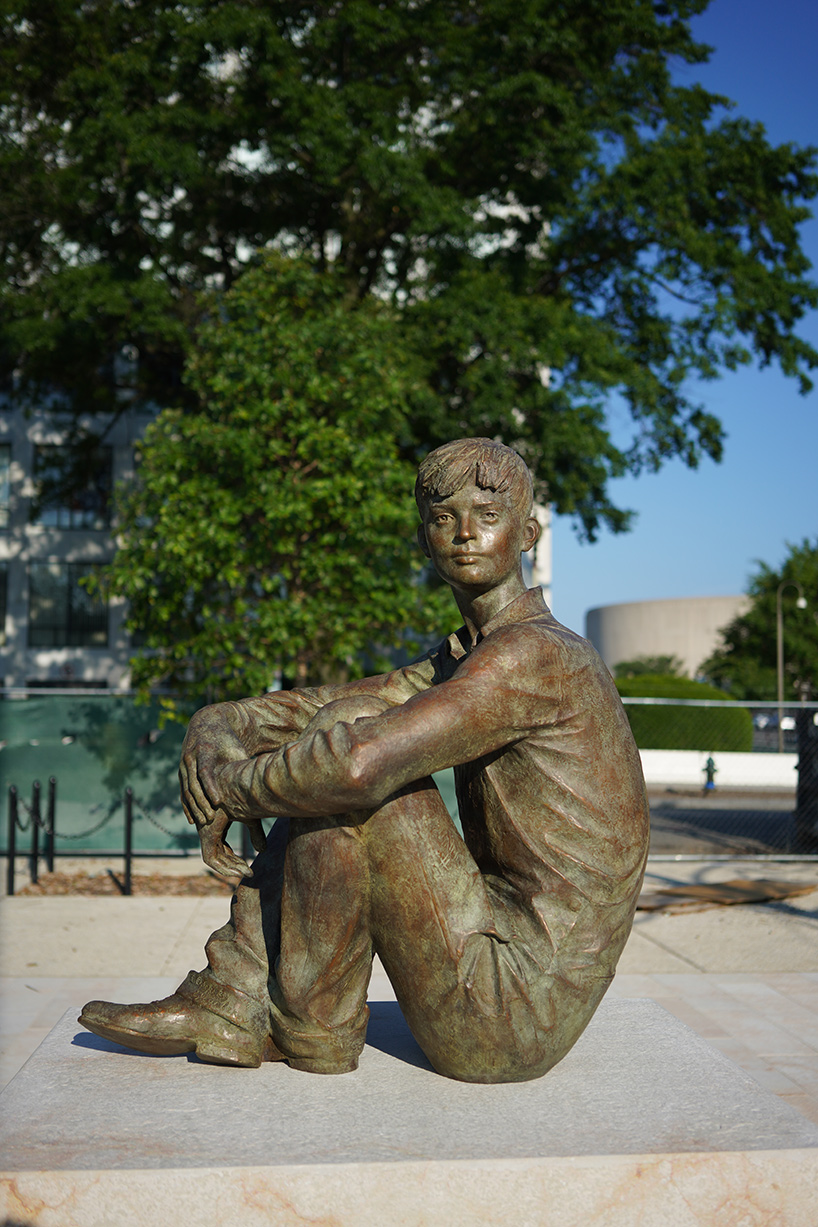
{"x": 665, "y": 727}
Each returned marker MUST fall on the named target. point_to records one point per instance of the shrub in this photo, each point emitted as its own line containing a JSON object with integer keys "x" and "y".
{"x": 668, "y": 727}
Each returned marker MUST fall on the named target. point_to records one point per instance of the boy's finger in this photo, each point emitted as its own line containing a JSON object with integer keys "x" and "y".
{"x": 219, "y": 856}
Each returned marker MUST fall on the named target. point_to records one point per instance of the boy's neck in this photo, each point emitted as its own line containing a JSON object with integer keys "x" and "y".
{"x": 478, "y": 609}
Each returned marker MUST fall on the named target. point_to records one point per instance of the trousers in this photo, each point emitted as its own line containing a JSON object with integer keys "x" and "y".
{"x": 471, "y": 968}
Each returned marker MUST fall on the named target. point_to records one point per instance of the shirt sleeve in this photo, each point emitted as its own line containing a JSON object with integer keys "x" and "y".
{"x": 351, "y": 766}
{"x": 268, "y": 722}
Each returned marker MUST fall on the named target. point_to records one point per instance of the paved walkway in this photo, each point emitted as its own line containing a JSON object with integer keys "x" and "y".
{"x": 745, "y": 977}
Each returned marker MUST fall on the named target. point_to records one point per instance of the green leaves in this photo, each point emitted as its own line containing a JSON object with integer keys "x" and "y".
{"x": 525, "y": 185}
{"x": 745, "y": 664}
{"x": 271, "y": 529}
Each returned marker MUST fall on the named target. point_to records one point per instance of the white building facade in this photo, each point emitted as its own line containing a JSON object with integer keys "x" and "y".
{"x": 53, "y": 633}
{"x": 685, "y": 627}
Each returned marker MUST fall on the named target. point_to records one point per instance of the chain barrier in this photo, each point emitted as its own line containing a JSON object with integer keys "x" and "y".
{"x": 143, "y": 813}
{"x": 45, "y": 825}
{"x": 35, "y": 817}
{"x": 92, "y": 830}
{"x": 35, "y": 822}
{"x": 729, "y": 778}
{"x": 22, "y": 826}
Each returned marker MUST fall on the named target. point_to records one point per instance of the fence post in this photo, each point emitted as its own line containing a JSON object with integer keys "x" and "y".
{"x": 35, "y": 831}
{"x": 128, "y": 838}
{"x": 12, "y": 840}
{"x": 51, "y": 818}
{"x": 806, "y": 796}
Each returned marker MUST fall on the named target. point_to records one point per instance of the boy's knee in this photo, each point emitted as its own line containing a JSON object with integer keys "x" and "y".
{"x": 347, "y": 709}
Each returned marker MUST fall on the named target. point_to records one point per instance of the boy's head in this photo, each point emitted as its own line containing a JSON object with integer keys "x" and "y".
{"x": 484, "y": 463}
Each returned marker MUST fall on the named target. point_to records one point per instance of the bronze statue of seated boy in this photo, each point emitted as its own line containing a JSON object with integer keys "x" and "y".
{"x": 499, "y": 944}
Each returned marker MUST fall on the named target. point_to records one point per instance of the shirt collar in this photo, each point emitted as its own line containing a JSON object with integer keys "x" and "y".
{"x": 530, "y": 604}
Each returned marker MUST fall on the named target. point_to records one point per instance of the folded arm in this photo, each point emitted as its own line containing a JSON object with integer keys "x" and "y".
{"x": 230, "y": 733}
{"x": 353, "y": 766}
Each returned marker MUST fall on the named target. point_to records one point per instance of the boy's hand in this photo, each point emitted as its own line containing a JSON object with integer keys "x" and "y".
{"x": 218, "y": 854}
{"x": 209, "y": 745}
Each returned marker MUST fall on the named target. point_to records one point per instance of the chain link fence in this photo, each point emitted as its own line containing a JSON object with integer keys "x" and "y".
{"x": 724, "y": 779}
{"x": 729, "y": 779}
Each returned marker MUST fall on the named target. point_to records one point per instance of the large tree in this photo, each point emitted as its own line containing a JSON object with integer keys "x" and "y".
{"x": 557, "y": 222}
{"x": 271, "y": 525}
{"x": 745, "y": 663}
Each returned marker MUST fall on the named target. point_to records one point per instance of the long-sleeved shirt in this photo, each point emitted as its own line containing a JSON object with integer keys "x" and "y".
{"x": 549, "y": 783}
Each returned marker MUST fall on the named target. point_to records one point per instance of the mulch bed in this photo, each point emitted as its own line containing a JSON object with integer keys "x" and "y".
{"x": 696, "y": 897}
{"x": 109, "y": 883}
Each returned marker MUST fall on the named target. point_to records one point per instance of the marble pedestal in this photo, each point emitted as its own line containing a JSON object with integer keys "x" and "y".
{"x": 642, "y": 1123}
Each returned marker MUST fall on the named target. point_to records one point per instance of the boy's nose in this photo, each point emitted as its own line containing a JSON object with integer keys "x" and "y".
{"x": 464, "y": 529}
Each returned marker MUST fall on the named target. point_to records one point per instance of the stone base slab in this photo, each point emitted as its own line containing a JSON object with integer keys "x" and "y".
{"x": 642, "y": 1123}
{"x": 758, "y": 1189}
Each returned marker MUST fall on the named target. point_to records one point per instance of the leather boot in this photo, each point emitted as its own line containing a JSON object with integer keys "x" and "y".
{"x": 222, "y": 1026}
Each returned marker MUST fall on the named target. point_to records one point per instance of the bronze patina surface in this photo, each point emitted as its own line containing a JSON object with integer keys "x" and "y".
{"x": 500, "y": 944}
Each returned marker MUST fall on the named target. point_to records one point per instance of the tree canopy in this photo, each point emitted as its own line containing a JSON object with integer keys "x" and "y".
{"x": 555, "y": 222}
{"x": 271, "y": 526}
{"x": 745, "y": 664}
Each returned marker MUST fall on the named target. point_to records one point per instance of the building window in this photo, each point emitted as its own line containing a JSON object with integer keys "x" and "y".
{"x": 73, "y": 486}
{"x": 5, "y": 484}
{"x": 61, "y": 612}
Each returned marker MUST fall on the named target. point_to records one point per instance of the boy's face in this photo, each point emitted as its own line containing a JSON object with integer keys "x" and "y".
{"x": 475, "y": 537}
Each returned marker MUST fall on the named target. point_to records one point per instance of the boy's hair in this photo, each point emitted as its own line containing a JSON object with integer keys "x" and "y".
{"x": 490, "y": 465}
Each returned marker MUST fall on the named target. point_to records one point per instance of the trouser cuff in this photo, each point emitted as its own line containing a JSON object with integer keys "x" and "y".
{"x": 320, "y": 1050}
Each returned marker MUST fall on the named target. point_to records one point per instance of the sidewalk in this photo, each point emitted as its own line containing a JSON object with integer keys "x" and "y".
{"x": 745, "y": 977}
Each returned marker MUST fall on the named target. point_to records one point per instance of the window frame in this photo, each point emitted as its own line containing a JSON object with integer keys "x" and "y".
{"x": 56, "y": 511}
{"x": 80, "y": 627}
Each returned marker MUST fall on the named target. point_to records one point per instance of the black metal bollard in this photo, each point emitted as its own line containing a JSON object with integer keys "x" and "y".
{"x": 12, "y": 840}
{"x": 128, "y": 839}
{"x": 50, "y": 822}
{"x": 35, "y": 831}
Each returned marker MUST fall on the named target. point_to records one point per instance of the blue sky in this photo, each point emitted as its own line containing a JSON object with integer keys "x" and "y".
{"x": 699, "y": 532}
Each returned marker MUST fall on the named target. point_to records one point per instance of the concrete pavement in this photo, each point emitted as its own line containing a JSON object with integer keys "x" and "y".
{"x": 745, "y": 977}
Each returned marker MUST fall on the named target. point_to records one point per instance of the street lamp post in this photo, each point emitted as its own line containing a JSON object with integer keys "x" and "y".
{"x": 801, "y": 603}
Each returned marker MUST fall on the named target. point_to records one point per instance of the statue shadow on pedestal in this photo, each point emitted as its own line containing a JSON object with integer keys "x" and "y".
{"x": 387, "y": 1032}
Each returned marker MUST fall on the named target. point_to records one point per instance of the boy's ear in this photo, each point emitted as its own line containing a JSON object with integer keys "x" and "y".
{"x": 422, "y": 542}
{"x": 531, "y": 533}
